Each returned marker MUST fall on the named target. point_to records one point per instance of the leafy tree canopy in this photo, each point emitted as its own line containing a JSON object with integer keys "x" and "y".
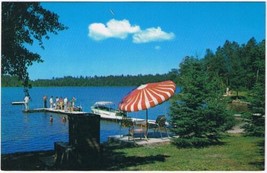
{"x": 23, "y": 23}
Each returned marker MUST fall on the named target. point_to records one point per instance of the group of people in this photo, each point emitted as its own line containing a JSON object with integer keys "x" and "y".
{"x": 60, "y": 104}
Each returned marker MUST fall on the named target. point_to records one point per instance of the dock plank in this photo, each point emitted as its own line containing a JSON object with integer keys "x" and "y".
{"x": 18, "y": 103}
{"x": 54, "y": 111}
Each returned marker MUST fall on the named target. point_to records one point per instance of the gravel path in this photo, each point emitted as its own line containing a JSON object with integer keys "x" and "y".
{"x": 237, "y": 129}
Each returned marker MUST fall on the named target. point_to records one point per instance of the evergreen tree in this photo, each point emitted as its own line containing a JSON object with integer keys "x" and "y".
{"x": 255, "y": 125}
{"x": 198, "y": 111}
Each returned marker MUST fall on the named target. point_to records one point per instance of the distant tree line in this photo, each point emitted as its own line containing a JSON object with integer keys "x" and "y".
{"x": 119, "y": 80}
{"x": 238, "y": 67}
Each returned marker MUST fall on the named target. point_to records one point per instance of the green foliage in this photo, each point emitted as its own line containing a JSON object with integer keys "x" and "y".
{"x": 257, "y": 100}
{"x": 198, "y": 111}
{"x": 255, "y": 125}
{"x": 10, "y": 81}
{"x": 253, "y": 57}
{"x": 239, "y": 66}
{"x": 189, "y": 142}
{"x": 111, "y": 80}
{"x": 23, "y": 23}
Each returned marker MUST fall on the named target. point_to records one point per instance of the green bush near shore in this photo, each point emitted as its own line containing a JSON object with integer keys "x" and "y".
{"x": 237, "y": 153}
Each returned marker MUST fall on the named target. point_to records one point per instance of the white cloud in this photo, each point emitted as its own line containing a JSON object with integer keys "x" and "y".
{"x": 122, "y": 28}
{"x": 113, "y": 29}
{"x": 152, "y": 34}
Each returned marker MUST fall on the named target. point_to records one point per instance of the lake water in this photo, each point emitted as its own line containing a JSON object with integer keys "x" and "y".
{"x": 31, "y": 132}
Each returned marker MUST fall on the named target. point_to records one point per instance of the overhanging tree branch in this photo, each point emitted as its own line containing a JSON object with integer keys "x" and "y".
{"x": 23, "y": 23}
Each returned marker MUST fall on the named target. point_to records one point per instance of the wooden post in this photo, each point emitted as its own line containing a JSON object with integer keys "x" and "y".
{"x": 83, "y": 150}
{"x": 84, "y": 135}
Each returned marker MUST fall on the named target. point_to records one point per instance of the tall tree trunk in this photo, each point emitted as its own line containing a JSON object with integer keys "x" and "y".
{"x": 257, "y": 75}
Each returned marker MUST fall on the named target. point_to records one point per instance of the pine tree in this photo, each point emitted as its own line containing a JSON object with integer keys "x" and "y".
{"x": 255, "y": 125}
{"x": 198, "y": 111}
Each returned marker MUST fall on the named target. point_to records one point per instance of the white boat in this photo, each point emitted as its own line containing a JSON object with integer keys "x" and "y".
{"x": 106, "y": 110}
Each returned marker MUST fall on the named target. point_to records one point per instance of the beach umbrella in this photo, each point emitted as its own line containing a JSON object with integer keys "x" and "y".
{"x": 147, "y": 96}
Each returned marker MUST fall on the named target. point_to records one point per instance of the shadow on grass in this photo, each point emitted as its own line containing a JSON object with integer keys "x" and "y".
{"x": 238, "y": 97}
{"x": 196, "y": 143}
{"x": 114, "y": 160}
{"x": 260, "y": 164}
{"x": 111, "y": 159}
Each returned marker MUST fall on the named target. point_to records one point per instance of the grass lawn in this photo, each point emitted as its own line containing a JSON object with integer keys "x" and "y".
{"x": 237, "y": 153}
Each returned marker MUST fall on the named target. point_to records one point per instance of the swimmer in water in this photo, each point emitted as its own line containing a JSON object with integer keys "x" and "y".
{"x": 51, "y": 119}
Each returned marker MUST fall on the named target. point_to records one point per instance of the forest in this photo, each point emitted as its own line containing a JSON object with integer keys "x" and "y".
{"x": 81, "y": 81}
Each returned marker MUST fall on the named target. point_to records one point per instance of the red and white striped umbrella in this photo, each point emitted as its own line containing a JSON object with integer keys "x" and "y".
{"x": 147, "y": 96}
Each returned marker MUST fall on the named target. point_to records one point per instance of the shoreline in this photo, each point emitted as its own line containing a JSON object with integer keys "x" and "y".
{"x": 44, "y": 159}
{"x": 20, "y": 160}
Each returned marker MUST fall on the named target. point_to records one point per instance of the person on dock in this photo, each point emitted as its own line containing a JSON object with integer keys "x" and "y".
{"x": 57, "y": 103}
{"x": 26, "y": 102}
{"x": 61, "y": 103}
{"x": 73, "y": 103}
{"x": 51, "y": 102}
{"x": 45, "y": 101}
{"x": 65, "y": 104}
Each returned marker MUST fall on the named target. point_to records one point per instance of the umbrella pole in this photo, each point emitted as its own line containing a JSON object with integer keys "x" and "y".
{"x": 146, "y": 122}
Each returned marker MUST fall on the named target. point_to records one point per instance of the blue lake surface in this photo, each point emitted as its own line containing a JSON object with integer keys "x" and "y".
{"x": 32, "y": 132}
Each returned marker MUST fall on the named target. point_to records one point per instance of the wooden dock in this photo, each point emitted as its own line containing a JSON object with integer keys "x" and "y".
{"x": 57, "y": 111}
{"x": 18, "y": 103}
{"x": 104, "y": 117}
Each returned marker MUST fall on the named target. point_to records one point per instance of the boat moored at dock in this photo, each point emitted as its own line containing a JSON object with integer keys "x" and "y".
{"x": 106, "y": 110}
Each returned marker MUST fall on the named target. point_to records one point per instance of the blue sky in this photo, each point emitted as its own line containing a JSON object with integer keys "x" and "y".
{"x": 115, "y": 38}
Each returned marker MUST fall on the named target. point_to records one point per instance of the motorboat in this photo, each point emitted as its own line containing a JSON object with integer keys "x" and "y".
{"x": 106, "y": 110}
